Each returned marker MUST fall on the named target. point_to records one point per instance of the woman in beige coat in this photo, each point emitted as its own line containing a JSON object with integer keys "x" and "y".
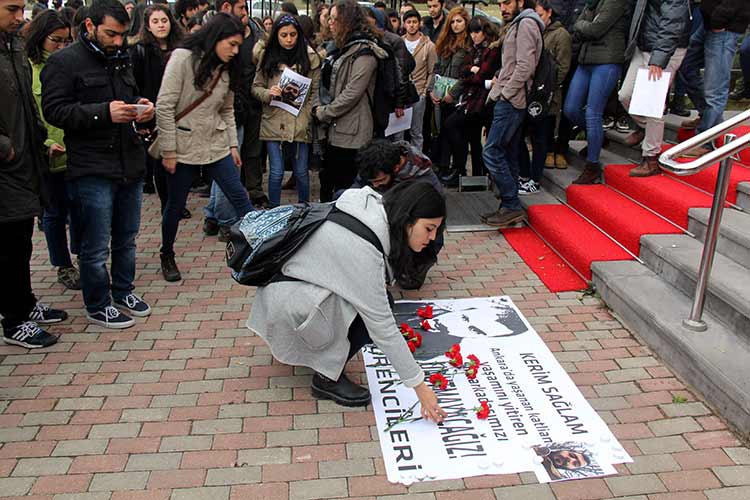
{"x": 206, "y": 136}
{"x": 281, "y": 96}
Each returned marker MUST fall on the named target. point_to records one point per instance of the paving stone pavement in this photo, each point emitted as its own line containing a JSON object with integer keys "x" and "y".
{"x": 188, "y": 405}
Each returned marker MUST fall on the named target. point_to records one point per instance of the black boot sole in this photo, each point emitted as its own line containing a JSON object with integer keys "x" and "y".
{"x": 323, "y": 394}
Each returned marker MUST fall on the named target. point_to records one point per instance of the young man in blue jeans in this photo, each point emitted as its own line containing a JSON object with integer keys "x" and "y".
{"x": 521, "y": 51}
{"x": 88, "y": 90}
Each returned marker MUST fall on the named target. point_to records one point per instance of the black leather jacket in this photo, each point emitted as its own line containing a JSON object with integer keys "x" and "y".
{"x": 659, "y": 27}
{"x": 78, "y": 83}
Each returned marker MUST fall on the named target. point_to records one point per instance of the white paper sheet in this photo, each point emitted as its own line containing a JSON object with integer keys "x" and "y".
{"x": 649, "y": 96}
{"x": 399, "y": 124}
{"x": 294, "y": 90}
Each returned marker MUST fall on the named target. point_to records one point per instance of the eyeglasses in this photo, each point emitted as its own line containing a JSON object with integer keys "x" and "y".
{"x": 59, "y": 41}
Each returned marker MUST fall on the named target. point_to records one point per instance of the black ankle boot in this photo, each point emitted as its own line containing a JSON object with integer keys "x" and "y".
{"x": 169, "y": 268}
{"x": 344, "y": 391}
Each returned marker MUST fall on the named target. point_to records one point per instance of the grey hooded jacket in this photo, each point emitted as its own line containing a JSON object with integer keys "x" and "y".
{"x": 340, "y": 276}
{"x": 659, "y": 27}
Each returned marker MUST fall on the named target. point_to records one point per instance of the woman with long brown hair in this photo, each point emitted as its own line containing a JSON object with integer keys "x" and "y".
{"x": 453, "y": 51}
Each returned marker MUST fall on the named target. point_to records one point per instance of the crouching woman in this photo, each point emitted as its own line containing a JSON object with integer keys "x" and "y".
{"x": 341, "y": 303}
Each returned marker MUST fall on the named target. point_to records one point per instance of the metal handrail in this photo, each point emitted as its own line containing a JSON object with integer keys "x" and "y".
{"x": 726, "y": 156}
{"x": 667, "y": 159}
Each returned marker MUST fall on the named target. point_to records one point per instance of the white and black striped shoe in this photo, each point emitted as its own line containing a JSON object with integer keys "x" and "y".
{"x": 110, "y": 317}
{"x": 45, "y": 315}
{"x": 29, "y": 335}
{"x": 134, "y": 305}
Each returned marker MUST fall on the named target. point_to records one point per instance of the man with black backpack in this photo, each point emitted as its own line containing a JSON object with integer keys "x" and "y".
{"x": 522, "y": 50}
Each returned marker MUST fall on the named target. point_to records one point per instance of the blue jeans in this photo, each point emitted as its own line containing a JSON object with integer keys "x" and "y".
{"x": 745, "y": 61}
{"x": 55, "y": 220}
{"x": 106, "y": 209}
{"x": 219, "y": 208}
{"x": 587, "y": 96}
{"x": 719, "y": 49}
{"x": 276, "y": 171}
{"x": 501, "y": 152}
{"x": 223, "y": 172}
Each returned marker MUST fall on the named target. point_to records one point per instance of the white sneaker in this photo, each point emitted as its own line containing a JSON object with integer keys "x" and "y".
{"x": 528, "y": 187}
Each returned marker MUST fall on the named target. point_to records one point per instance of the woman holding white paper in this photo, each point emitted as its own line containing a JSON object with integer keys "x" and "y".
{"x": 286, "y": 49}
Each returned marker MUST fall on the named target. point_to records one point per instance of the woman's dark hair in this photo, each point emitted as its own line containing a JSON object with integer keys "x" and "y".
{"x": 75, "y": 4}
{"x": 275, "y": 54}
{"x": 37, "y": 9}
{"x": 352, "y": 19}
{"x": 68, "y": 14}
{"x": 316, "y": 20}
{"x": 136, "y": 21}
{"x": 404, "y": 204}
{"x": 39, "y": 29}
{"x": 479, "y": 23}
{"x": 203, "y": 46}
{"x": 80, "y": 16}
{"x": 262, "y": 21}
{"x": 308, "y": 28}
{"x": 175, "y": 30}
{"x": 289, "y": 8}
{"x": 545, "y": 4}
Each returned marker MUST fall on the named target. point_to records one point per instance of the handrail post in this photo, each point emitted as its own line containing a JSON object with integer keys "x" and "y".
{"x": 695, "y": 321}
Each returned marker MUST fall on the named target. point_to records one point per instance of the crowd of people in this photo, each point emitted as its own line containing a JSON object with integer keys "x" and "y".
{"x": 109, "y": 101}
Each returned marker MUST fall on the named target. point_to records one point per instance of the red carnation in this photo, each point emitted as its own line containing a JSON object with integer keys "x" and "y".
{"x": 425, "y": 312}
{"x": 457, "y": 360}
{"x": 426, "y": 325}
{"x": 455, "y": 349}
{"x": 439, "y": 380}
{"x": 473, "y": 361}
{"x": 418, "y": 339}
{"x": 471, "y": 373}
{"x": 412, "y": 346}
{"x": 404, "y": 328}
{"x": 483, "y": 411}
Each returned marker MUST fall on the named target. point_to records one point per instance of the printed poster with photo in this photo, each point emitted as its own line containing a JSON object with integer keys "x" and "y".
{"x": 294, "y": 90}
{"x": 532, "y": 403}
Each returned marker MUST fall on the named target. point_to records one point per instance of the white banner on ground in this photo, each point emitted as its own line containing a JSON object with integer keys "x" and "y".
{"x": 538, "y": 419}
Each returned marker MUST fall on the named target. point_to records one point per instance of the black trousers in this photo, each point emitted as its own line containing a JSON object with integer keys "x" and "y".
{"x": 160, "y": 178}
{"x": 358, "y": 335}
{"x": 339, "y": 171}
{"x": 16, "y": 298}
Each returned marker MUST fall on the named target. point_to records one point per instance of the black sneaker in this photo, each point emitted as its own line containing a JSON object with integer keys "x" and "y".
{"x": 210, "y": 227}
{"x": 224, "y": 234}
{"x": 30, "y": 336}
{"x": 185, "y": 214}
{"x": 110, "y": 317}
{"x": 44, "y": 315}
{"x": 344, "y": 391}
{"x": 69, "y": 277}
{"x": 134, "y": 305}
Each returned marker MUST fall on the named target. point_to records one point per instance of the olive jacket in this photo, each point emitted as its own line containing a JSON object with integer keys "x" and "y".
{"x": 603, "y": 31}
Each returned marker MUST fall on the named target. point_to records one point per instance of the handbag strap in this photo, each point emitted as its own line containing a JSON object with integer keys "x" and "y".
{"x": 182, "y": 114}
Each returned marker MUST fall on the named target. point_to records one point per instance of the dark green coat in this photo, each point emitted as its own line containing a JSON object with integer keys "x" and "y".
{"x": 22, "y": 132}
{"x": 558, "y": 41}
{"x": 602, "y": 30}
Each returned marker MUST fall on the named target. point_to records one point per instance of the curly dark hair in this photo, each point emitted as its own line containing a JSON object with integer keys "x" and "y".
{"x": 379, "y": 155}
{"x": 45, "y": 23}
{"x": 353, "y": 19}
{"x": 203, "y": 43}
{"x": 404, "y": 204}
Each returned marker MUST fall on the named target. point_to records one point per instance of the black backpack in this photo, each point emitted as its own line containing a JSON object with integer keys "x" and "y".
{"x": 262, "y": 241}
{"x": 539, "y": 97}
{"x": 387, "y": 82}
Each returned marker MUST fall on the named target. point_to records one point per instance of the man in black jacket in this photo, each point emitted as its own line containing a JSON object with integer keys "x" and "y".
{"x": 659, "y": 36}
{"x": 433, "y": 24}
{"x": 89, "y": 91}
{"x": 22, "y": 136}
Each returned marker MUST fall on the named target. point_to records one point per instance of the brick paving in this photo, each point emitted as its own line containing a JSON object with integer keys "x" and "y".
{"x": 188, "y": 405}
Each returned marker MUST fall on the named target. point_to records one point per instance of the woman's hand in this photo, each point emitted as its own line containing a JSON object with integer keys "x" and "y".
{"x": 236, "y": 156}
{"x": 474, "y": 69}
{"x": 428, "y": 401}
{"x": 448, "y": 99}
{"x": 275, "y": 91}
{"x": 169, "y": 164}
{"x": 56, "y": 150}
{"x": 435, "y": 100}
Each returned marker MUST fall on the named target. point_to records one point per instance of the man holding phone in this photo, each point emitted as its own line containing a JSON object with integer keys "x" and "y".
{"x": 88, "y": 90}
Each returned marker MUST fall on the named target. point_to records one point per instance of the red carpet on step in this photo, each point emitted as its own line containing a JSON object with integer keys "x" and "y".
{"x": 550, "y": 268}
{"x": 661, "y": 193}
{"x": 616, "y": 215}
{"x": 574, "y": 238}
{"x": 706, "y": 179}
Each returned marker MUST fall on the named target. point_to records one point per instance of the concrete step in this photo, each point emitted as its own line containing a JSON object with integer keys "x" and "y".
{"x": 734, "y": 234}
{"x": 676, "y": 258}
{"x": 714, "y": 362}
{"x": 743, "y": 196}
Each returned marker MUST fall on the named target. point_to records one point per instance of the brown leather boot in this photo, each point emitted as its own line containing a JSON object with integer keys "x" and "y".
{"x": 649, "y": 166}
{"x": 591, "y": 174}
